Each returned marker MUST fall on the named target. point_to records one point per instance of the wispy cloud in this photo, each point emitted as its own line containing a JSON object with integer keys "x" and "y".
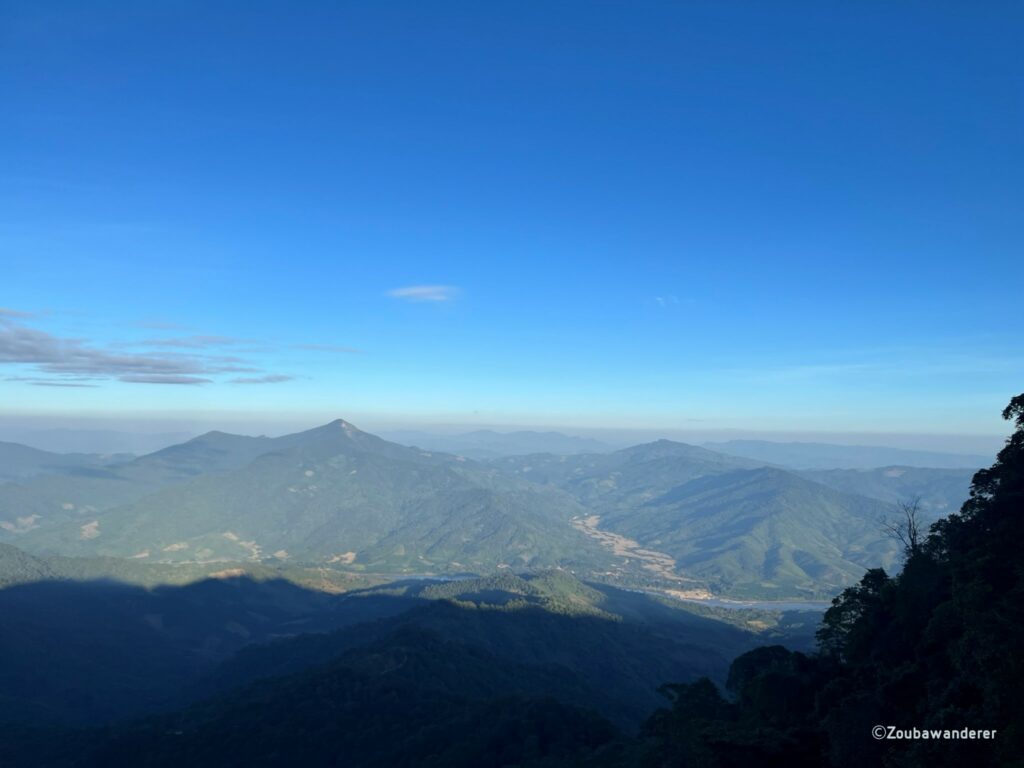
{"x": 8, "y": 312}
{"x": 63, "y": 361}
{"x": 671, "y": 300}
{"x": 425, "y": 293}
{"x": 34, "y": 379}
{"x": 329, "y": 348}
{"x": 163, "y": 379}
{"x": 274, "y": 378}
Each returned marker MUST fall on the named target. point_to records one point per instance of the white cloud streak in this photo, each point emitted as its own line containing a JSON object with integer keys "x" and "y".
{"x": 424, "y": 293}
{"x": 162, "y": 379}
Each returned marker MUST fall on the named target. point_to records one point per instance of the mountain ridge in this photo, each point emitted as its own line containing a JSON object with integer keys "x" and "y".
{"x": 339, "y": 496}
{"x": 811, "y": 455}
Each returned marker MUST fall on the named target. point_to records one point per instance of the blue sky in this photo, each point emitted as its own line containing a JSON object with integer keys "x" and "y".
{"x": 777, "y": 216}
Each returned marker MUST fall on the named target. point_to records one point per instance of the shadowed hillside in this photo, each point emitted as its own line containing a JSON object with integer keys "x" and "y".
{"x": 89, "y": 652}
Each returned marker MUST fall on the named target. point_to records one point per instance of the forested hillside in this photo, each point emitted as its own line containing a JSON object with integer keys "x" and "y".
{"x": 335, "y": 498}
{"x": 934, "y": 647}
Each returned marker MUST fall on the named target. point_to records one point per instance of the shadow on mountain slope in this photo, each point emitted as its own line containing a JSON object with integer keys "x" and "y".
{"x": 88, "y": 653}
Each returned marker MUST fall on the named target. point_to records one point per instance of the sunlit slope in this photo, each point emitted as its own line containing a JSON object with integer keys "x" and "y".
{"x": 627, "y": 477}
{"x": 17, "y": 567}
{"x": 742, "y": 528}
{"x": 78, "y": 493}
{"x": 762, "y": 532}
{"x": 338, "y": 495}
{"x": 663, "y": 513}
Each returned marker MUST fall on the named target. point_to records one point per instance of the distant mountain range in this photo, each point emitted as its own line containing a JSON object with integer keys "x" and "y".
{"x": 740, "y": 527}
{"x": 664, "y": 514}
{"x": 18, "y": 462}
{"x": 77, "y": 492}
{"x": 333, "y": 494}
{"x": 488, "y": 444}
{"x": 939, "y": 491}
{"x": 66, "y": 440}
{"x": 829, "y": 456}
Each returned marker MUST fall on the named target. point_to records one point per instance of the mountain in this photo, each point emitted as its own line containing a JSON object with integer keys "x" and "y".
{"x": 932, "y": 652}
{"x": 630, "y": 476}
{"x": 729, "y": 524}
{"x": 17, "y": 567}
{"x": 662, "y": 514}
{"x": 761, "y": 533}
{"x": 79, "y": 652}
{"x": 335, "y": 494}
{"x": 546, "y": 620}
{"x": 20, "y": 461}
{"x": 409, "y": 699}
{"x": 503, "y": 668}
{"x": 91, "y": 652}
{"x": 940, "y": 491}
{"x": 102, "y": 441}
{"x": 488, "y": 444}
{"x": 827, "y": 456}
{"x": 77, "y": 494}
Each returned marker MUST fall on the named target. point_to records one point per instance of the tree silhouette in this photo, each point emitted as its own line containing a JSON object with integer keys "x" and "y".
{"x": 907, "y": 528}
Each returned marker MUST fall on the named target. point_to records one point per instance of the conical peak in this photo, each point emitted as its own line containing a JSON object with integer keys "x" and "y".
{"x": 343, "y": 425}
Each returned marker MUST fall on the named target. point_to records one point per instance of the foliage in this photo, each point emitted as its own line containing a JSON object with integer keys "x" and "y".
{"x": 936, "y": 647}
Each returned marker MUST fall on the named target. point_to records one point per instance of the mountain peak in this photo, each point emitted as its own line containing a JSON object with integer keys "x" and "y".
{"x": 213, "y": 434}
{"x": 339, "y": 436}
{"x": 343, "y": 425}
{"x": 661, "y": 446}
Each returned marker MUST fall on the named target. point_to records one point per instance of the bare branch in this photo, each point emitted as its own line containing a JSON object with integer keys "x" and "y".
{"x": 907, "y": 527}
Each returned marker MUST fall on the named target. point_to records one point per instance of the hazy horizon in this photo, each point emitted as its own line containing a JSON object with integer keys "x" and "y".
{"x": 42, "y": 432}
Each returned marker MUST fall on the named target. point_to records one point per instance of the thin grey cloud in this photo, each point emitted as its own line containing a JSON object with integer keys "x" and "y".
{"x": 66, "y": 381}
{"x": 8, "y": 312}
{"x": 160, "y": 379}
{"x": 68, "y": 358}
{"x": 31, "y": 379}
{"x": 274, "y": 378}
{"x": 435, "y": 293}
{"x": 329, "y": 348}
